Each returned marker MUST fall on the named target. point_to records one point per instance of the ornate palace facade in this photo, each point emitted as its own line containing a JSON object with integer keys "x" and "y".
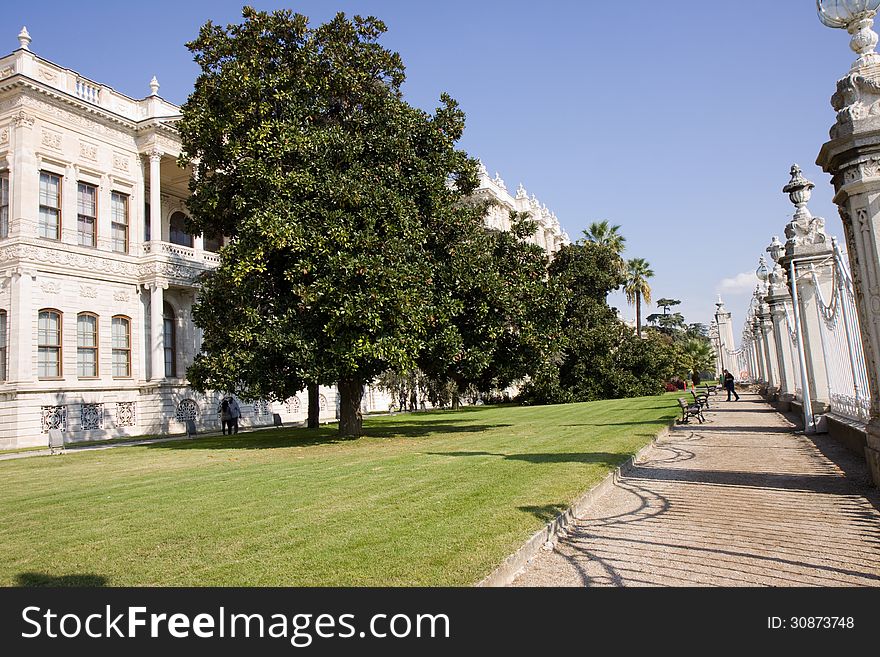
{"x": 97, "y": 273}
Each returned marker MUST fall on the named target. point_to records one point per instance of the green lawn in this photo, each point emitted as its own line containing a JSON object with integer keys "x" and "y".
{"x": 424, "y": 499}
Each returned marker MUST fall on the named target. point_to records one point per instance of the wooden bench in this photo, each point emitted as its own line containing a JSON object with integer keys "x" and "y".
{"x": 701, "y": 399}
{"x": 711, "y": 390}
{"x": 690, "y": 410}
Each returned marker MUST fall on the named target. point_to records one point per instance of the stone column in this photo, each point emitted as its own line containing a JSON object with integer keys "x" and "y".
{"x": 155, "y": 196}
{"x": 808, "y": 246}
{"x": 21, "y": 327}
{"x": 725, "y": 336}
{"x": 157, "y": 331}
{"x": 24, "y": 180}
{"x": 104, "y": 219}
{"x": 758, "y": 342}
{"x": 771, "y": 360}
{"x": 779, "y": 302}
{"x": 852, "y": 157}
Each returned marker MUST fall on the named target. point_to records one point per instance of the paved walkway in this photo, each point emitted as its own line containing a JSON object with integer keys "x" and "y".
{"x": 739, "y": 501}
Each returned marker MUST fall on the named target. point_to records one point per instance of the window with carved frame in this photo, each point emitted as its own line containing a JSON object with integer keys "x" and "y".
{"x": 49, "y": 344}
{"x": 86, "y": 214}
{"x": 121, "y": 338}
{"x": 50, "y": 206}
{"x": 87, "y": 345}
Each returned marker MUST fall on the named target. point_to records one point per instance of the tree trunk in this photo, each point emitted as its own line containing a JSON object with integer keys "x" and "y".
{"x": 350, "y": 419}
{"x": 314, "y": 407}
{"x": 638, "y": 314}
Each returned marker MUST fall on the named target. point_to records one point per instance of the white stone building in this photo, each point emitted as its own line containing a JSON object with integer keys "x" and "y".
{"x": 97, "y": 274}
{"x": 548, "y": 234}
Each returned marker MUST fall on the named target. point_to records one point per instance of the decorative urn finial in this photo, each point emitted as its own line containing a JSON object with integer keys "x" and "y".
{"x": 154, "y": 86}
{"x": 776, "y": 249}
{"x": 24, "y": 38}
{"x": 799, "y": 190}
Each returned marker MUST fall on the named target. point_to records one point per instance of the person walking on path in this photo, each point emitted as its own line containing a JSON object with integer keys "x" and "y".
{"x": 730, "y": 386}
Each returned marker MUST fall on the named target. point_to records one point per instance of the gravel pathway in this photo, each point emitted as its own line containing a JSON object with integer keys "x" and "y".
{"x": 738, "y": 501}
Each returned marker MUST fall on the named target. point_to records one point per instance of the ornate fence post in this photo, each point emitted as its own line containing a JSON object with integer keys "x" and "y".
{"x": 779, "y": 302}
{"x": 852, "y": 157}
{"x": 807, "y": 245}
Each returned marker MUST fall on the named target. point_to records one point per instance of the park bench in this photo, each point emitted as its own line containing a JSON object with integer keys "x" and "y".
{"x": 690, "y": 410}
{"x": 711, "y": 390}
{"x": 701, "y": 399}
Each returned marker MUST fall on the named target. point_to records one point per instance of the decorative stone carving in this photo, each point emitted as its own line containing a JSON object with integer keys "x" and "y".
{"x": 22, "y": 118}
{"x": 51, "y": 139}
{"x": 91, "y": 417}
{"x": 6, "y": 71}
{"x": 125, "y": 414}
{"x": 88, "y": 292}
{"x": 120, "y": 162}
{"x": 47, "y": 74}
{"x": 88, "y": 151}
{"x": 805, "y": 233}
{"x": 4, "y": 135}
{"x": 50, "y": 287}
{"x": 69, "y": 260}
{"x": 70, "y": 117}
{"x": 53, "y": 417}
{"x": 521, "y": 192}
{"x": 121, "y": 296}
{"x": 187, "y": 410}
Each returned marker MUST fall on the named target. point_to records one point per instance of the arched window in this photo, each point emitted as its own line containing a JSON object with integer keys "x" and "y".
{"x": 177, "y": 230}
{"x": 49, "y": 344}
{"x": 322, "y": 403}
{"x": 169, "y": 322}
{"x": 121, "y": 342}
{"x": 87, "y": 345}
{"x": 3, "y": 332}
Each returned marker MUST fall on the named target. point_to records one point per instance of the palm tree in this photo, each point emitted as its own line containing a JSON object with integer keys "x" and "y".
{"x": 604, "y": 234}
{"x": 698, "y": 356}
{"x": 638, "y": 271}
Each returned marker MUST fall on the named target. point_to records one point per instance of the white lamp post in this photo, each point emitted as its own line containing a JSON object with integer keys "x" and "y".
{"x": 857, "y": 18}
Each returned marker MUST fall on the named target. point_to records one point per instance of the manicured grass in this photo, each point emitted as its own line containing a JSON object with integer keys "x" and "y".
{"x": 423, "y": 499}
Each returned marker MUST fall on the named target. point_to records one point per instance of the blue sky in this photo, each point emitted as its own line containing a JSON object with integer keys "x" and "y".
{"x": 678, "y": 121}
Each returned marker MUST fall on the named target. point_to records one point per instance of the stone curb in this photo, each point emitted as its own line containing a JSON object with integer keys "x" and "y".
{"x": 504, "y": 574}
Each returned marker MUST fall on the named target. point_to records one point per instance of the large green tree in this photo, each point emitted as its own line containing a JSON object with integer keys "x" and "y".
{"x": 329, "y": 184}
{"x": 494, "y": 315}
{"x": 599, "y": 356}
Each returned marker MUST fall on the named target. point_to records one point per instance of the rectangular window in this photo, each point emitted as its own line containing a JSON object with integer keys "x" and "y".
{"x": 50, "y": 206}
{"x": 170, "y": 352}
{"x": 87, "y": 212}
{"x": 49, "y": 344}
{"x": 2, "y": 345}
{"x": 119, "y": 222}
{"x": 86, "y": 346}
{"x": 146, "y": 222}
{"x": 121, "y": 347}
{"x": 4, "y": 205}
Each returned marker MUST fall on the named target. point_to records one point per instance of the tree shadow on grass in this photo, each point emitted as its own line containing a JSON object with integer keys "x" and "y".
{"x": 300, "y": 437}
{"x": 545, "y": 513}
{"x": 604, "y": 458}
{"x": 76, "y": 580}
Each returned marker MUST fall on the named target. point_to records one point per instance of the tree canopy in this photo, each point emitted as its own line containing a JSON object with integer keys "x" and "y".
{"x": 330, "y": 186}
